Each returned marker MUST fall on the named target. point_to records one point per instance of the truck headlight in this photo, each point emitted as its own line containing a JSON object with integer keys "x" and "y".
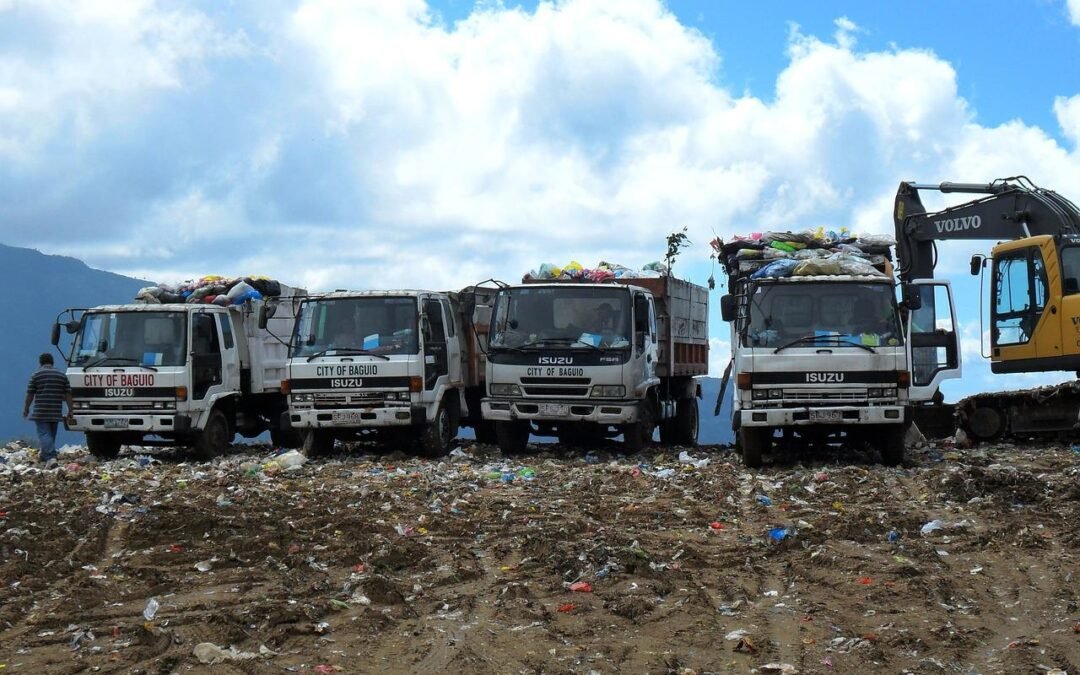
{"x": 82, "y": 405}
{"x": 505, "y": 390}
{"x": 760, "y": 394}
{"x": 401, "y": 395}
{"x": 609, "y": 391}
{"x": 776, "y": 393}
{"x": 303, "y": 398}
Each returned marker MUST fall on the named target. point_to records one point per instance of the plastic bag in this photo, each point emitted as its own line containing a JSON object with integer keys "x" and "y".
{"x": 656, "y": 266}
{"x": 777, "y": 269}
{"x": 548, "y": 271}
{"x": 815, "y": 267}
{"x": 748, "y": 254}
{"x": 876, "y": 240}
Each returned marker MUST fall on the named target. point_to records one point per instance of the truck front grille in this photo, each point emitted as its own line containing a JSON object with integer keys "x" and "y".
{"x": 555, "y": 386}
{"x": 851, "y": 396}
{"x": 128, "y": 405}
{"x": 356, "y": 399}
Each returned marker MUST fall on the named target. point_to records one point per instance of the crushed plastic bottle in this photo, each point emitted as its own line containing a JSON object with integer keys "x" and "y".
{"x": 893, "y": 536}
{"x": 778, "y": 534}
{"x": 932, "y": 526}
{"x": 764, "y": 500}
{"x": 151, "y": 610}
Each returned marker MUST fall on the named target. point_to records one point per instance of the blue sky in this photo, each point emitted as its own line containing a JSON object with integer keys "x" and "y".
{"x": 387, "y": 144}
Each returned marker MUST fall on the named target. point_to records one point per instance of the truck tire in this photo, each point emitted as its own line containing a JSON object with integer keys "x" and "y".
{"x": 286, "y": 438}
{"x": 214, "y": 438}
{"x": 317, "y": 443}
{"x": 891, "y": 444}
{"x": 512, "y": 437}
{"x": 436, "y": 437}
{"x": 639, "y": 434}
{"x": 753, "y": 442}
{"x": 685, "y": 424}
{"x": 103, "y": 445}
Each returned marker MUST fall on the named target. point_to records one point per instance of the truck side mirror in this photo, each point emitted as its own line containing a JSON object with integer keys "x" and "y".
{"x": 266, "y": 312}
{"x": 55, "y": 338}
{"x": 912, "y": 299}
{"x": 727, "y": 307}
{"x": 72, "y": 327}
{"x": 977, "y": 262}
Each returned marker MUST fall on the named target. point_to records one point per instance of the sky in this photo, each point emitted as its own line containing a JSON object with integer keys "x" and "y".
{"x": 375, "y": 144}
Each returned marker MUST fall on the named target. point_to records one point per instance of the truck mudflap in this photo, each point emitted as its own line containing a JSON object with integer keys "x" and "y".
{"x": 141, "y": 422}
{"x": 599, "y": 412}
{"x": 353, "y": 418}
{"x": 840, "y": 415}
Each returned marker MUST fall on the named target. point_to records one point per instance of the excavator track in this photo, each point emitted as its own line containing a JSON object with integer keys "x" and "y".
{"x": 1052, "y": 410}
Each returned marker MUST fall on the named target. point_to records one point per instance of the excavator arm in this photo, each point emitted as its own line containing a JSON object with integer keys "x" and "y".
{"x": 1012, "y": 208}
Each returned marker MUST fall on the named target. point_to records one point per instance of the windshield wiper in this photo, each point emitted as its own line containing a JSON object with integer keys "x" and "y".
{"x": 348, "y": 350}
{"x": 835, "y": 338}
{"x": 569, "y": 341}
{"x": 123, "y": 359}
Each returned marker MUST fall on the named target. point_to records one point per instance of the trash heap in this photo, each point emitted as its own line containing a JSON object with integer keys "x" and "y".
{"x": 806, "y": 253}
{"x": 604, "y": 271}
{"x": 211, "y": 289}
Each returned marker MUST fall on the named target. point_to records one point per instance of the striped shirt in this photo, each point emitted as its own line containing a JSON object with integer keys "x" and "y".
{"x": 49, "y": 387}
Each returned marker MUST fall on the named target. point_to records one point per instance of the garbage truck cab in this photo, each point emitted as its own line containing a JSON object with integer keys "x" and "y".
{"x": 389, "y": 363}
{"x": 585, "y": 361}
{"x": 176, "y": 374}
{"x": 817, "y": 357}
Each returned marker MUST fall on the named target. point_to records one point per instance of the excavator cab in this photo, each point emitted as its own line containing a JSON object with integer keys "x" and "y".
{"x": 1035, "y": 305}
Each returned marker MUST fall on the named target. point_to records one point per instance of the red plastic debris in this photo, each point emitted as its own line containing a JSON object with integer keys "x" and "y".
{"x": 865, "y": 581}
{"x": 581, "y": 587}
{"x": 294, "y": 548}
{"x": 176, "y": 548}
{"x": 567, "y": 607}
{"x": 359, "y": 568}
{"x": 716, "y": 525}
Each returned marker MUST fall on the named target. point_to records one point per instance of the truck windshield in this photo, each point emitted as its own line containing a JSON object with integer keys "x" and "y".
{"x": 577, "y": 317}
{"x": 130, "y": 339}
{"x": 384, "y": 325}
{"x": 837, "y": 312}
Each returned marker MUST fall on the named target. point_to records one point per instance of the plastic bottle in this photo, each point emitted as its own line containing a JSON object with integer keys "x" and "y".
{"x": 152, "y": 607}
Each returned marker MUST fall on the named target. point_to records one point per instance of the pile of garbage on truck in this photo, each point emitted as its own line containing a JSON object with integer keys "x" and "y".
{"x": 805, "y": 253}
{"x": 211, "y": 289}
{"x": 604, "y": 271}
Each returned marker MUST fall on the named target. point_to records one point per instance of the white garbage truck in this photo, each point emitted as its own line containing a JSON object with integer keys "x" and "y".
{"x": 178, "y": 373}
{"x": 820, "y": 353}
{"x": 400, "y": 366}
{"x": 585, "y": 361}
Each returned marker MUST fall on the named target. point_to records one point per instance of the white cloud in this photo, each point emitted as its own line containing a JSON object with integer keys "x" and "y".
{"x": 1073, "y": 7}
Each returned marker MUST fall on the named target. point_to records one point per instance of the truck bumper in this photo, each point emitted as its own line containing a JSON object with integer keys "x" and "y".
{"x": 351, "y": 418}
{"x": 599, "y": 412}
{"x": 148, "y": 422}
{"x": 840, "y": 415}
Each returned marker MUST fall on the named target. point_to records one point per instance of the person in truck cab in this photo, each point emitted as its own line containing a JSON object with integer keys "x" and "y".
{"x": 867, "y": 319}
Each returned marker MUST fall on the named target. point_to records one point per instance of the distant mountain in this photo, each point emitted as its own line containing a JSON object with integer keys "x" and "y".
{"x": 40, "y": 287}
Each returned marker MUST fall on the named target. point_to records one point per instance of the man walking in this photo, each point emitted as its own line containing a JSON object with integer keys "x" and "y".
{"x": 47, "y": 390}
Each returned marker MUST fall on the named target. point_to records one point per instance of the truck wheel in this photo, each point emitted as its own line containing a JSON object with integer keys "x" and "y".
{"x": 891, "y": 444}
{"x": 435, "y": 439}
{"x": 485, "y": 432}
{"x": 986, "y": 423}
{"x": 639, "y": 434}
{"x": 286, "y": 438}
{"x": 754, "y": 441}
{"x": 512, "y": 437}
{"x": 214, "y": 438}
{"x": 317, "y": 443}
{"x": 102, "y": 445}
{"x": 686, "y": 422}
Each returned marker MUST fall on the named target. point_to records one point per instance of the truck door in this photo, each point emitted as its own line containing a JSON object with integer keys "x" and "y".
{"x": 230, "y": 355}
{"x": 436, "y": 364}
{"x": 645, "y": 343}
{"x": 453, "y": 343}
{"x": 205, "y": 355}
{"x": 932, "y": 339}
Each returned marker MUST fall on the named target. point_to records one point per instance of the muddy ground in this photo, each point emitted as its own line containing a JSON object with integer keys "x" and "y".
{"x": 363, "y": 562}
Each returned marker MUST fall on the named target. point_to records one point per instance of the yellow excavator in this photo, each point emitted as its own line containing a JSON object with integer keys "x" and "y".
{"x": 1034, "y": 301}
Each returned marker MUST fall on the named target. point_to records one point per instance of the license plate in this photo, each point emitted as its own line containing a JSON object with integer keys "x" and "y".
{"x": 554, "y": 409}
{"x": 345, "y": 418}
{"x": 826, "y": 415}
{"x": 116, "y": 424}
